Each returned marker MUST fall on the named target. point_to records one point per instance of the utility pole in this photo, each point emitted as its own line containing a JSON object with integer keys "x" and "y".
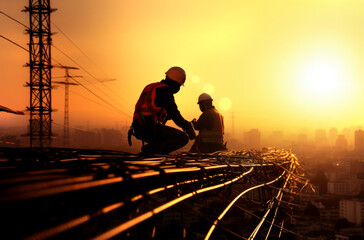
{"x": 40, "y": 123}
{"x": 232, "y": 125}
{"x": 66, "y": 130}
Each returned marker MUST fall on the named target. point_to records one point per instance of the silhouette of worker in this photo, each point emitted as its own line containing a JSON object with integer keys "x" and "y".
{"x": 211, "y": 127}
{"x": 155, "y": 106}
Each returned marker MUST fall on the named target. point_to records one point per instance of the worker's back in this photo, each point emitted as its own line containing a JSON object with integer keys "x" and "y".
{"x": 211, "y": 126}
{"x": 211, "y": 132}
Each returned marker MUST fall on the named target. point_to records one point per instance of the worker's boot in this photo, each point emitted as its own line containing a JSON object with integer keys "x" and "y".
{"x": 152, "y": 149}
{"x": 147, "y": 150}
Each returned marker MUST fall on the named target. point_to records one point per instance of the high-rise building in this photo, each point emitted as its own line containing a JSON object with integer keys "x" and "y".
{"x": 352, "y": 210}
{"x": 349, "y": 135}
{"x": 338, "y": 187}
{"x": 332, "y": 136}
{"x": 359, "y": 141}
{"x": 320, "y": 137}
{"x": 341, "y": 142}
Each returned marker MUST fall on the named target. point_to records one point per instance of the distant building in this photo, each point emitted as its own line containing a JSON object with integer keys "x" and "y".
{"x": 87, "y": 139}
{"x": 339, "y": 179}
{"x": 252, "y": 139}
{"x": 320, "y": 137}
{"x": 350, "y": 233}
{"x": 338, "y": 187}
{"x": 341, "y": 142}
{"x": 360, "y": 169}
{"x": 358, "y": 178}
{"x": 352, "y": 210}
{"x": 359, "y": 141}
{"x": 333, "y": 136}
{"x": 329, "y": 210}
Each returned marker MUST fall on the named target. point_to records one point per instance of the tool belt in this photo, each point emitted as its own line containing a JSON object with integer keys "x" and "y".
{"x": 145, "y": 132}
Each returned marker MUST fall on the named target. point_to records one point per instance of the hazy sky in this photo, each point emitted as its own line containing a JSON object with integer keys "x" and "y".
{"x": 277, "y": 65}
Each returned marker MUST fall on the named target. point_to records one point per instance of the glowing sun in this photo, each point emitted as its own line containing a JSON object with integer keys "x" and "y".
{"x": 322, "y": 78}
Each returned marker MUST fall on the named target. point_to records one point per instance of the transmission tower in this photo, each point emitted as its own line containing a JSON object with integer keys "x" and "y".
{"x": 66, "y": 123}
{"x": 40, "y": 123}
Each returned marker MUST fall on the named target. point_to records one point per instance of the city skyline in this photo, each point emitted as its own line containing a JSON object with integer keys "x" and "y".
{"x": 285, "y": 161}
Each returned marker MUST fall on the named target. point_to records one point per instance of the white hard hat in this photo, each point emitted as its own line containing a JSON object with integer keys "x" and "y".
{"x": 176, "y": 74}
{"x": 204, "y": 97}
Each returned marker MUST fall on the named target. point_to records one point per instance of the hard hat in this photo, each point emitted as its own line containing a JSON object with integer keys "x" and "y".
{"x": 176, "y": 74}
{"x": 204, "y": 97}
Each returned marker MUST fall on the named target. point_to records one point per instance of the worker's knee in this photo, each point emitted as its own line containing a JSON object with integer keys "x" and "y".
{"x": 184, "y": 139}
{"x": 180, "y": 138}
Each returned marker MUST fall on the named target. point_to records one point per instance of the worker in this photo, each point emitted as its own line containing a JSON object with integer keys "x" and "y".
{"x": 211, "y": 127}
{"x": 155, "y": 106}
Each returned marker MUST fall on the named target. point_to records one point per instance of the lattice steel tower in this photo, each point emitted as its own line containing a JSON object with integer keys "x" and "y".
{"x": 40, "y": 123}
{"x": 66, "y": 123}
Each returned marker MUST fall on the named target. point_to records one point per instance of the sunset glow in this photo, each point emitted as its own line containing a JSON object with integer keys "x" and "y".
{"x": 161, "y": 119}
{"x": 323, "y": 79}
{"x": 288, "y": 60}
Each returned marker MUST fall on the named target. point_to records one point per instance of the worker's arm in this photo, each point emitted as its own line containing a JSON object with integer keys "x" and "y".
{"x": 197, "y": 124}
{"x": 205, "y": 121}
{"x": 164, "y": 98}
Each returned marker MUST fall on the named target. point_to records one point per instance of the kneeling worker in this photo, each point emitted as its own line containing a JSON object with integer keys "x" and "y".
{"x": 210, "y": 126}
{"x": 155, "y": 106}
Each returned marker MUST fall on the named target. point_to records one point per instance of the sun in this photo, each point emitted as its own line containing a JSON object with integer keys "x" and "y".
{"x": 322, "y": 79}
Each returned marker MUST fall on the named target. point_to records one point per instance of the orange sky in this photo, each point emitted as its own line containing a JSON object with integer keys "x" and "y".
{"x": 277, "y": 65}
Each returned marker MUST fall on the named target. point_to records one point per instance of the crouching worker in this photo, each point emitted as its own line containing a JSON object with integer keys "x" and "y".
{"x": 155, "y": 106}
{"x": 211, "y": 127}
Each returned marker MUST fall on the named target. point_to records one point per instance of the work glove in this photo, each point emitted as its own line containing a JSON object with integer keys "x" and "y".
{"x": 194, "y": 122}
{"x": 190, "y": 131}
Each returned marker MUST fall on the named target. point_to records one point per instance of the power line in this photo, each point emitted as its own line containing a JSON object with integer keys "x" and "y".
{"x": 76, "y": 46}
{"x": 79, "y": 49}
{"x": 61, "y": 64}
{"x": 14, "y": 20}
{"x": 91, "y": 76}
{"x": 73, "y": 79}
{"x": 73, "y": 92}
{"x": 13, "y": 43}
{"x": 101, "y": 98}
{"x": 79, "y": 129}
